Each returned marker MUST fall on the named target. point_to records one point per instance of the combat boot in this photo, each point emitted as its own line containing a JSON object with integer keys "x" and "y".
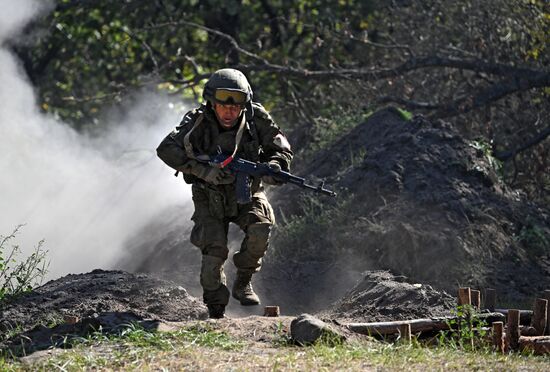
{"x": 242, "y": 290}
{"x": 216, "y": 311}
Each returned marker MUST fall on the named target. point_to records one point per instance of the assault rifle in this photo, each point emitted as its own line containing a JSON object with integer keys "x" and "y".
{"x": 244, "y": 169}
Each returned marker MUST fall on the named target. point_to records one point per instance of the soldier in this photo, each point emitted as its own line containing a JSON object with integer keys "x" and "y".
{"x": 228, "y": 121}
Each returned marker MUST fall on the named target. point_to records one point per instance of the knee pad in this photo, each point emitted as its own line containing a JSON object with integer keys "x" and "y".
{"x": 257, "y": 239}
{"x": 212, "y": 274}
{"x": 208, "y": 232}
{"x": 254, "y": 246}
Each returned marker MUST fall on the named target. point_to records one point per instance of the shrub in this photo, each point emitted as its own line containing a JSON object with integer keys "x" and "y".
{"x": 20, "y": 276}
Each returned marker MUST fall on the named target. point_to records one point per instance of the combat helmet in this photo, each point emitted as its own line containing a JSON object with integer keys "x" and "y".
{"x": 229, "y": 86}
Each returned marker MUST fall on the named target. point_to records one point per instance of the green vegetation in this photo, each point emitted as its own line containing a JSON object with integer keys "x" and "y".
{"x": 18, "y": 275}
{"x": 326, "y": 129}
{"x": 199, "y": 347}
{"x": 304, "y": 232}
{"x": 135, "y": 336}
{"x": 96, "y": 52}
{"x": 318, "y": 66}
{"x": 485, "y": 148}
{"x": 466, "y": 331}
{"x": 534, "y": 238}
{"x": 406, "y": 115}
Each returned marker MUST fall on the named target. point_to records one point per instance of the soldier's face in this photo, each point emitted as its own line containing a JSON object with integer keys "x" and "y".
{"x": 227, "y": 114}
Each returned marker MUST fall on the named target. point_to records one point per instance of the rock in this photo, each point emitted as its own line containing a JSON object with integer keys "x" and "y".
{"x": 307, "y": 329}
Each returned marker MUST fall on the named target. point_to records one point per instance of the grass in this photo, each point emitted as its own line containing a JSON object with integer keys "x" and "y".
{"x": 200, "y": 347}
{"x": 300, "y": 235}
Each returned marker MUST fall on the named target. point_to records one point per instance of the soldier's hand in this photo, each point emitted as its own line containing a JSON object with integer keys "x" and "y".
{"x": 275, "y": 167}
{"x": 215, "y": 176}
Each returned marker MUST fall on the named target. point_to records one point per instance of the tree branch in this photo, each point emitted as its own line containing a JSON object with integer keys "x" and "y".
{"x": 493, "y": 93}
{"x": 410, "y": 104}
{"x": 514, "y": 79}
{"x": 507, "y": 155}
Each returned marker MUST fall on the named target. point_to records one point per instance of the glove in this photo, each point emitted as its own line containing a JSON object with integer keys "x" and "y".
{"x": 213, "y": 175}
{"x": 269, "y": 180}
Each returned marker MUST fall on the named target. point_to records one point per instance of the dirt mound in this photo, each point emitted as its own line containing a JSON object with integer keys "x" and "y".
{"x": 100, "y": 292}
{"x": 418, "y": 199}
{"x": 381, "y": 296}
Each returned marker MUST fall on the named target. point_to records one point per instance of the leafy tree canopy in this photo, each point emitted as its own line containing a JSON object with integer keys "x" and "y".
{"x": 481, "y": 65}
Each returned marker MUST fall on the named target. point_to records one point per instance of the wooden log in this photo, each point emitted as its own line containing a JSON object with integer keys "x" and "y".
{"x": 512, "y": 330}
{"x": 405, "y": 333}
{"x": 538, "y": 345}
{"x": 498, "y": 337}
{"x": 527, "y": 331}
{"x": 525, "y": 316}
{"x": 464, "y": 296}
{"x": 490, "y": 318}
{"x": 417, "y": 325}
{"x": 490, "y": 299}
{"x": 476, "y": 299}
{"x": 539, "y": 315}
{"x": 388, "y": 328}
{"x": 546, "y": 296}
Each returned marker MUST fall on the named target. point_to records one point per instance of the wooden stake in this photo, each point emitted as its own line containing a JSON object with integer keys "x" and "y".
{"x": 498, "y": 337}
{"x": 71, "y": 319}
{"x": 405, "y": 333}
{"x": 272, "y": 311}
{"x": 490, "y": 299}
{"x": 512, "y": 330}
{"x": 464, "y": 296}
{"x": 547, "y": 298}
{"x": 539, "y": 315}
{"x": 476, "y": 299}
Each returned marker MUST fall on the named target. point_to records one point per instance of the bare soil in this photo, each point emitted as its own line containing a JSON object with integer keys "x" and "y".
{"x": 382, "y": 296}
{"x": 77, "y": 305}
{"x": 419, "y": 200}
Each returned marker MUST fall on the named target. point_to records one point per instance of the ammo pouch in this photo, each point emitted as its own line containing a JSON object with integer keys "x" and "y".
{"x": 220, "y": 202}
{"x": 189, "y": 178}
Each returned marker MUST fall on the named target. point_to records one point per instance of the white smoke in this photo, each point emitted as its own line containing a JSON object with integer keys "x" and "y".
{"x": 85, "y": 196}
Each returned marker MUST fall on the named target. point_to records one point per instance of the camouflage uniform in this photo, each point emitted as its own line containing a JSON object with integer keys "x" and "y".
{"x": 216, "y": 205}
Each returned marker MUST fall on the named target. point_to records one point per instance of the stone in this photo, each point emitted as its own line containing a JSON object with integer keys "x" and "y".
{"x": 306, "y": 330}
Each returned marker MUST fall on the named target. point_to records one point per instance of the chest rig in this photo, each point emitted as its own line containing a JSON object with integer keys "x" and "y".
{"x": 210, "y": 139}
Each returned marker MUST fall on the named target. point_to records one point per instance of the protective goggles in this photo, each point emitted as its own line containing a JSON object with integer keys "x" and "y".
{"x": 233, "y": 97}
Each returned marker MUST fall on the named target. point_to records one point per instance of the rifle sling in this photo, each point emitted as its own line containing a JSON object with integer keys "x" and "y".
{"x": 189, "y": 147}
{"x": 186, "y": 143}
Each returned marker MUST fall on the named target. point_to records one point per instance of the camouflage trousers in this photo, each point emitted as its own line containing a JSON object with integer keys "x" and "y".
{"x": 214, "y": 210}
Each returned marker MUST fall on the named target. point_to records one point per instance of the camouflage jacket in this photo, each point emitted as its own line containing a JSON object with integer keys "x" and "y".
{"x": 262, "y": 141}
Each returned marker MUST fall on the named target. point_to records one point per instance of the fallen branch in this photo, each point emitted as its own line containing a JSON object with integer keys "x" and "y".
{"x": 525, "y": 316}
{"x": 538, "y": 345}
